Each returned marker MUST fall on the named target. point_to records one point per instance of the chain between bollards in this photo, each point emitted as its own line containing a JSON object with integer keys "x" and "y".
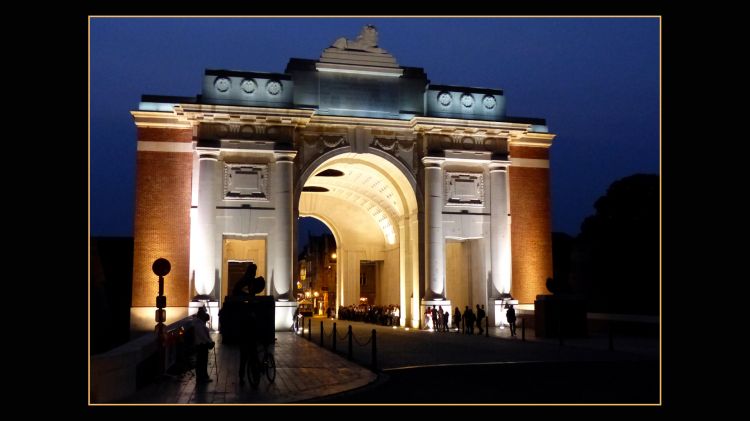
{"x": 333, "y": 343}
{"x": 374, "y": 351}
{"x": 350, "y": 342}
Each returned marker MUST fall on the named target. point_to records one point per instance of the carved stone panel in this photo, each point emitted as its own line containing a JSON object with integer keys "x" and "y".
{"x": 464, "y": 189}
{"x": 322, "y": 142}
{"x": 216, "y": 131}
{"x": 401, "y": 148}
{"x": 246, "y": 182}
{"x": 393, "y": 145}
{"x": 467, "y": 143}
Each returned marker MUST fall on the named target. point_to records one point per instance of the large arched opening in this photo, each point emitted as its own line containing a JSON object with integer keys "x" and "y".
{"x": 370, "y": 205}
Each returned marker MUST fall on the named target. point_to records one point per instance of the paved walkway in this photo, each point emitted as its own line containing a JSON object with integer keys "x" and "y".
{"x": 306, "y": 372}
{"x": 399, "y": 347}
{"x": 303, "y": 371}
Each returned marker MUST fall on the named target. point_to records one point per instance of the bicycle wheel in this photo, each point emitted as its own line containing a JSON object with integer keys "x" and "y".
{"x": 253, "y": 371}
{"x": 269, "y": 365}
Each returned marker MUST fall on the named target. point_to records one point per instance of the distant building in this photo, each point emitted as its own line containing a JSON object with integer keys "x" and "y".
{"x": 418, "y": 182}
{"x": 317, "y": 264}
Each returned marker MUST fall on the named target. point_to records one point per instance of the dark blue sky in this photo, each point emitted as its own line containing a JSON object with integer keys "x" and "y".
{"x": 595, "y": 80}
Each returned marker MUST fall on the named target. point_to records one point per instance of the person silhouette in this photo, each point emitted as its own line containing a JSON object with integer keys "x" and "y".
{"x": 248, "y": 344}
{"x": 511, "y": 316}
{"x": 248, "y": 287}
{"x": 203, "y": 343}
{"x": 244, "y": 285}
{"x": 480, "y": 317}
{"x": 457, "y": 319}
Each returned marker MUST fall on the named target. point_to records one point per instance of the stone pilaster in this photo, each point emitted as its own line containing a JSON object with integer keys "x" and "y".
{"x": 435, "y": 250}
{"x": 205, "y": 265}
{"x": 282, "y": 193}
{"x": 499, "y": 231}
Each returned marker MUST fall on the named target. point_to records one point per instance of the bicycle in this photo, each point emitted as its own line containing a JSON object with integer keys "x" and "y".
{"x": 266, "y": 366}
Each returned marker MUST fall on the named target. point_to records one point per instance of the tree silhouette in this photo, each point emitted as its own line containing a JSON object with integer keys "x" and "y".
{"x": 616, "y": 256}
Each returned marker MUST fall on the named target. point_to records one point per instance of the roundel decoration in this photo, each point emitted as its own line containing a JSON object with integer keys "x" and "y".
{"x": 444, "y": 98}
{"x": 489, "y": 102}
{"x": 273, "y": 87}
{"x": 467, "y": 100}
{"x": 222, "y": 84}
{"x": 248, "y": 86}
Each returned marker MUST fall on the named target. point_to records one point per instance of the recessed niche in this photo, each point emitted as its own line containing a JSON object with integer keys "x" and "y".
{"x": 314, "y": 189}
{"x": 330, "y": 173}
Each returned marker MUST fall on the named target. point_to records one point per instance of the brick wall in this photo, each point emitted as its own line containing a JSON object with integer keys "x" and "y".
{"x": 531, "y": 237}
{"x": 162, "y": 218}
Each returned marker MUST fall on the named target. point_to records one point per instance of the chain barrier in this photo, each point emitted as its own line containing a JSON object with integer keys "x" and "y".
{"x": 369, "y": 339}
{"x": 341, "y": 337}
{"x": 351, "y": 337}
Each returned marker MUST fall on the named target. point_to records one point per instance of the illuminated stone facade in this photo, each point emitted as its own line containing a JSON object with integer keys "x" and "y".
{"x": 434, "y": 184}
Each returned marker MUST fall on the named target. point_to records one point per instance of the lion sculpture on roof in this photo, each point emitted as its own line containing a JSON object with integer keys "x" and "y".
{"x": 367, "y": 40}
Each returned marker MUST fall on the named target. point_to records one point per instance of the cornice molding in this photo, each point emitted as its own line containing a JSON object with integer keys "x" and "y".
{"x": 536, "y": 140}
{"x": 162, "y": 120}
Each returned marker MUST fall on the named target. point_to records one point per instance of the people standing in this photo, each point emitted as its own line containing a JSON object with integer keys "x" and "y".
{"x": 457, "y": 319}
{"x": 480, "y": 316}
{"x": 511, "y": 316}
{"x": 203, "y": 343}
{"x": 248, "y": 341}
{"x": 470, "y": 319}
{"x": 297, "y": 320}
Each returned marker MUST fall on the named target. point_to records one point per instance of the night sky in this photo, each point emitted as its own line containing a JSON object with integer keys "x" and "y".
{"x": 595, "y": 81}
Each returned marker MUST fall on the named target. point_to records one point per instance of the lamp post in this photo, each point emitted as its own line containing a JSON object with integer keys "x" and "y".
{"x": 161, "y": 268}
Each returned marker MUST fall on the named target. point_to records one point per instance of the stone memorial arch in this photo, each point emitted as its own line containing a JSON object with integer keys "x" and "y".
{"x": 433, "y": 184}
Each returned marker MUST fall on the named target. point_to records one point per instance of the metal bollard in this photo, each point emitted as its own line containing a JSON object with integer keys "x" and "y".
{"x": 374, "y": 351}
{"x": 309, "y": 329}
{"x": 333, "y": 345}
{"x": 523, "y": 329}
{"x": 487, "y": 327}
{"x": 611, "y": 337}
{"x": 321, "y": 334}
{"x": 350, "y": 343}
{"x": 559, "y": 330}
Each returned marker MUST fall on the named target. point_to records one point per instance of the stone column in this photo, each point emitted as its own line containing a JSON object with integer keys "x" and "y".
{"x": 282, "y": 180}
{"x": 435, "y": 251}
{"x": 434, "y": 295}
{"x": 205, "y": 268}
{"x": 499, "y": 230}
{"x": 281, "y": 280}
{"x": 499, "y": 243}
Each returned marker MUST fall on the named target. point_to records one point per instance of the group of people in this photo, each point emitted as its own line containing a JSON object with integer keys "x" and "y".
{"x": 437, "y": 319}
{"x": 389, "y": 315}
{"x": 248, "y": 286}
